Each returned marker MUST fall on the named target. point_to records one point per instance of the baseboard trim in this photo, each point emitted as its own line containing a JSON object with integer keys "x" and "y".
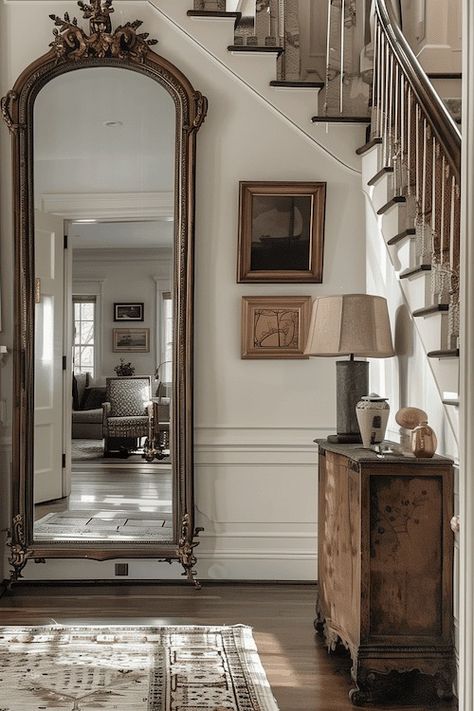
{"x": 210, "y": 582}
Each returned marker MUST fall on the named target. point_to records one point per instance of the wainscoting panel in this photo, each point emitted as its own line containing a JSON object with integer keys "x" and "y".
{"x": 256, "y": 494}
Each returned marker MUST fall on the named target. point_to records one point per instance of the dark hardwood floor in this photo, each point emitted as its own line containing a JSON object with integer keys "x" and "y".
{"x": 302, "y": 675}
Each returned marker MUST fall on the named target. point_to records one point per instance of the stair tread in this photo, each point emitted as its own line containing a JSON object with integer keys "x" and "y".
{"x": 444, "y": 75}
{"x": 245, "y": 48}
{"x": 397, "y": 200}
{"x": 412, "y": 271}
{"x": 298, "y": 84}
{"x": 409, "y": 232}
{"x": 383, "y": 171}
{"x": 213, "y": 13}
{"x": 340, "y": 119}
{"x": 237, "y": 16}
{"x": 448, "y": 353}
{"x": 451, "y": 401}
{"x": 433, "y": 309}
{"x": 367, "y": 146}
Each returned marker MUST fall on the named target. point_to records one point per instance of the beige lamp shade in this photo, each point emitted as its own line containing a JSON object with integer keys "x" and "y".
{"x": 348, "y": 324}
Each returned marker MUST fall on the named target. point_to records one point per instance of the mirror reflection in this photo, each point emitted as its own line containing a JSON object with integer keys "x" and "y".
{"x": 104, "y": 163}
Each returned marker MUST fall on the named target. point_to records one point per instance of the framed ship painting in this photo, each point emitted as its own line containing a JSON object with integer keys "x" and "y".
{"x": 131, "y": 340}
{"x": 281, "y": 232}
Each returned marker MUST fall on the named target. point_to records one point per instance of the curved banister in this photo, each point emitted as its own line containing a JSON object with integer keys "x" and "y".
{"x": 437, "y": 115}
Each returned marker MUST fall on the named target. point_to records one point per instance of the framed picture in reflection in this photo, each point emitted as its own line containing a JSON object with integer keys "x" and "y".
{"x": 131, "y": 340}
{"x": 281, "y": 232}
{"x": 128, "y": 312}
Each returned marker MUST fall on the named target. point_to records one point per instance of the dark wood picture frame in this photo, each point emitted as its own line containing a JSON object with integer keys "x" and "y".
{"x": 138, "y": 306}
{"x": 281, "y": 232}
{"x": 133, "y": 54}
{"x": 275, "y": 327}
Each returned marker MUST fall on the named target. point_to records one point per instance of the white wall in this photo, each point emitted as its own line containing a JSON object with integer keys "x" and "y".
{"x": 123, "y": 275}
{"x": 433, "y": 28}
{"x": 256, "y": 472}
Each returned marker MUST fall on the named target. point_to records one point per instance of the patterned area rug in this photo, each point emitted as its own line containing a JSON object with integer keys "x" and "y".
{"x": 105, "y": 526}
{"x": 84, "y": 449}
{"x": 132, "y": 669}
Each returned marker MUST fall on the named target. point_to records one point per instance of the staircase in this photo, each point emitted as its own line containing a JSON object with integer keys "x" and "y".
{"x": 409, "y": 145}
{"x": 411, "y": 174}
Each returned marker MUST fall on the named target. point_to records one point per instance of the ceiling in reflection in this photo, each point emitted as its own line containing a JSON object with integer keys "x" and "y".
{"x": 120, "y": 235}
{"x": 106, "y": 130}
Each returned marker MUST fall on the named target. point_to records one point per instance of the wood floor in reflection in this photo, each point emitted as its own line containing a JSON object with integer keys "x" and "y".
{"x": 116, "y": 486}
{"x": 302, "y": 675}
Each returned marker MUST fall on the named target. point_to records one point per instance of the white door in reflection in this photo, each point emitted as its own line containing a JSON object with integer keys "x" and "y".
{"x": 49, "y": 317}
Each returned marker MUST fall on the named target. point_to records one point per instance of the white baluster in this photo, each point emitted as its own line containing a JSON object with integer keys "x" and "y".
{"x": 341, "y": 78}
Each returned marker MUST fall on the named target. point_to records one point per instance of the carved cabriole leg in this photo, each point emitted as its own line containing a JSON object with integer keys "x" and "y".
{"x": 186, "y": 546}
{"x": 444, "y": 684}
{"x": 319, "y": 619}
{"x": 425, "y": 685}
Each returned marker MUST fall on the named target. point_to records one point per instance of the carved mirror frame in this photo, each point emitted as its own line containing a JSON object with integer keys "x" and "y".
{"x": 72, "y": 49}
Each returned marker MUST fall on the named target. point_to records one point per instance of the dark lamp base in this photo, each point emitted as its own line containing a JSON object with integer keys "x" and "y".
{"x": 345, "y": 439}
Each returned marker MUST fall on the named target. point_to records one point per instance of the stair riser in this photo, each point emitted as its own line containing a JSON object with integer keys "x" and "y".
{"x": 418, "y": 291}
{"x": 434, "y": 330}
{"x": 254, "y": 68}
{"x": 403, "y": 254}
{"x": 370, "y": 165}
{"x": 448, "y": 88}
{"x": 294, "y": 102}
{"x": 381, "y": 192}
{"x": 395, "y": 220}
{"x": 446, "y": 373}
{"x": 216, "y": 34}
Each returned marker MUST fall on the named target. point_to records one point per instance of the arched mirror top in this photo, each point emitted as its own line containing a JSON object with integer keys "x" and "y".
{"x": 100, "y": 47}
{"x": 126, "y": 47}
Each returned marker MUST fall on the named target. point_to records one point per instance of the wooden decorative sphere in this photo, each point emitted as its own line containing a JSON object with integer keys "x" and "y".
{"x": 410, "y": 417}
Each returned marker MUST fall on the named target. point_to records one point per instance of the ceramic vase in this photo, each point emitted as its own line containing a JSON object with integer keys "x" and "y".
{"x": 423, "y": 441}
{"x": 372, "y": 416}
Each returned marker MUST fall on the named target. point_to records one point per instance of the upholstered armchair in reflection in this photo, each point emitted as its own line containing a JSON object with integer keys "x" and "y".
{"x": 126, "y": 412}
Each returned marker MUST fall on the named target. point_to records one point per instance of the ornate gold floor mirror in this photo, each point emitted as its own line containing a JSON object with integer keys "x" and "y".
{"x": 125, "y": 56}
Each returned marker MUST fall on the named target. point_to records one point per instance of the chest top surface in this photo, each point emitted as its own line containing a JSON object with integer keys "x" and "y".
{"x": 361, "y": 455}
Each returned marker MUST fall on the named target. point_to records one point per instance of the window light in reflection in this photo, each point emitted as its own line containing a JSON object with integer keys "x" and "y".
{"x": 44, "y": 316}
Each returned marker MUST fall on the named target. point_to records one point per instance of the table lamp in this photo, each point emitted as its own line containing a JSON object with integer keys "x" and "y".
{"x": 353, "y": 325}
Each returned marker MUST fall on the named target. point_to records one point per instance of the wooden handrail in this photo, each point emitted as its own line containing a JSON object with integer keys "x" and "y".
{"x": 437, "y": 115}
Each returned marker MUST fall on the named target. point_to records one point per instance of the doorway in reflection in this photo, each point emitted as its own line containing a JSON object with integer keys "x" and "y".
{"x": 104, "y": 262}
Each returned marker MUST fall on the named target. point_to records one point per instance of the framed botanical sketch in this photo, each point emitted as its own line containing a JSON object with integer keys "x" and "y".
{"x": 131, "y": 340}
{"x": 281, "y": 232}
{"x": 275, "y": 326}
{"x": 128, "y": 312}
